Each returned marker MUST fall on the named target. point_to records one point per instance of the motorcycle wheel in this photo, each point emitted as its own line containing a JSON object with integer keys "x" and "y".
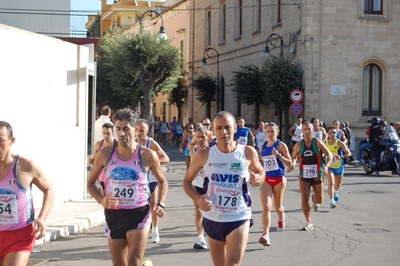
{"x": 368, "y": 168}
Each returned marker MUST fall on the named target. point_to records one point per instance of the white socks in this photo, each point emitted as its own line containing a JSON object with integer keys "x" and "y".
{"x": 201, "y": 238}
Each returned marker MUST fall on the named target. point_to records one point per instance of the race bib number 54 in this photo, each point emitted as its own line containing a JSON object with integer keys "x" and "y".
{"x": 8, "y": 209}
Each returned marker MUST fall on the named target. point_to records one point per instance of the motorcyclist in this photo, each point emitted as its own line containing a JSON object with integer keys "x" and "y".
{"x": 366, "y": 145}
{"x": 375, "y": 137}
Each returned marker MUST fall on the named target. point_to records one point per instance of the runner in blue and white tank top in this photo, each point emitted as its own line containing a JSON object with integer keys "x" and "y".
{"x": 275, "y": 155}
{"x": 184, "y": 146}
{"x": 228, "y": 167}
{"x": 243, "y": 133}
{"x": 142, "y": 129}
{"x": 164, "y": 127}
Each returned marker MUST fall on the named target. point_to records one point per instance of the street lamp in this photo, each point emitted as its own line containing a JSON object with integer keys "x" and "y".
{"x": 161, "y": 34}
{"x": 210, "y": 53}
{"x": 270, "y": 40}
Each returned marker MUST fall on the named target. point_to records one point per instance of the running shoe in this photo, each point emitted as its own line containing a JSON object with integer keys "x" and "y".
{"x": 281, "y": 224}
{"x": 309, "y": 227}
{"x": 147, "y": 262}
{"x": 332, "y": 205}
{"x": 155, "y": 237}
{"x": 264, "y": 240}
{"x": 200, "y": 245}
{"x": 315, "y": 205}
{"x": 336, "y": 196}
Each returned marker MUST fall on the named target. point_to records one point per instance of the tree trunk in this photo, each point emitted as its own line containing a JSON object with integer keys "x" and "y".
{"x": 279, "y": 118}
{"x": 208, "y": 109}
{"x": 148, "y": 106}
{"x": 257, "y": 111}
{"x": 180, "y": 112}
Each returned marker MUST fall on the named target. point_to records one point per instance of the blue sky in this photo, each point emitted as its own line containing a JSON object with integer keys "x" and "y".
{"x": 86, "y": 4}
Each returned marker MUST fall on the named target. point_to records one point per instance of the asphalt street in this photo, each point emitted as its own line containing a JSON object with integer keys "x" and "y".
{"x": 363, "y": 230}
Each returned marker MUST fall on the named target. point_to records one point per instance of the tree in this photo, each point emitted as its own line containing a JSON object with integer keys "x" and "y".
{"x": 247, "y": 85}
{"x": 206, "y": 88}
{"x": 177, "y": 96}
{"x": 105, "y": 95}
{"x": 280, "y": 77}
{"x": 140, "y": 64}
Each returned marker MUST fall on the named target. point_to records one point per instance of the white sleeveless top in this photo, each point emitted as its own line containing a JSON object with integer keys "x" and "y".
{"x": 317, "y": 134}
{"x": 225, "y": 181}
{"x": 298, "y": 132}
{"x": 261, "y": 137}
{"x": 152, "y": 178}
{"x": 199, "y": 180}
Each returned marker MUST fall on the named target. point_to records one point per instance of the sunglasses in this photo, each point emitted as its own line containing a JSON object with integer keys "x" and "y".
{"x": 332, "y": 132}
{"x": 206, "y": 124}
{"x": 190, "y": 128}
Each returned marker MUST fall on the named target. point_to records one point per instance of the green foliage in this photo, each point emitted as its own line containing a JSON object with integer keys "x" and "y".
{"x": 118, "y": 98}
{"x": 280, "y": 77}
{"x": 138, "y": 64}
{"x": 205, "y": 87}
{"x": 247, "y": 83}
{"x": 177, "y": 95}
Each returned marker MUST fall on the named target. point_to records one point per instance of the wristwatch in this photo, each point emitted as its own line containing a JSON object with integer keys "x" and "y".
{"x": 278, "y": 155}
{"x": 161, "y": 204}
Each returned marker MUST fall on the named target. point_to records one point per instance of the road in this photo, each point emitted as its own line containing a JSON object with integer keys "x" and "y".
{"x": 363, "y": 230}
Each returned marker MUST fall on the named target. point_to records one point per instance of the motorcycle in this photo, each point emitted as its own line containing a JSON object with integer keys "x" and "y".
{"x": 390, "y": 158}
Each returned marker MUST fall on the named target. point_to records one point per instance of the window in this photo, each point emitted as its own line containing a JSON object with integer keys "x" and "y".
{"x": 372, "y": 90}
{"x": 240, "y": 18}
{"x": 223, "y": 24}
{"x": 279, "y": 20}
{"x": 181, "y": 49}
{"x": 258, "y": 16}
{"x": 208, "y": 29}
{"x": 373, "y": 7}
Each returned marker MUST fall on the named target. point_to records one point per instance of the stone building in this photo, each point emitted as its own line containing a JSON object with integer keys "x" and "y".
{"x": 348, "y": 50}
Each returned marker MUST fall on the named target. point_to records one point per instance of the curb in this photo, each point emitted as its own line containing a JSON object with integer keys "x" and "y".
{"x": 72, "y": 226}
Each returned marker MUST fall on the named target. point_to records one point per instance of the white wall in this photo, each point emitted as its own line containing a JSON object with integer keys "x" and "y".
{"x": 44, "y": 96}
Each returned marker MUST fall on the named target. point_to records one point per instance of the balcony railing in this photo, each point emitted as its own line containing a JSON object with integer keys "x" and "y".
{"x": 55, "y": 23}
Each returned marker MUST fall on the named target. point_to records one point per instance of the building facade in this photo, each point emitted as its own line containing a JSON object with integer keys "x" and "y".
{"x": 348, "y": 51}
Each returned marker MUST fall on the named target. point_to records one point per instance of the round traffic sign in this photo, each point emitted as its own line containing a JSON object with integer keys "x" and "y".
{"x": 296, "y": 96}
{"x": 296, "y": 109}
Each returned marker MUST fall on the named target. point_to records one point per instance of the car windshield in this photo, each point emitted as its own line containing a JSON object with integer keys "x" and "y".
{"x": 390, "y": 133}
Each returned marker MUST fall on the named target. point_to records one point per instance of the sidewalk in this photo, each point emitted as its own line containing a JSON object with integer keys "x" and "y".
{"x": 72, "y": 217}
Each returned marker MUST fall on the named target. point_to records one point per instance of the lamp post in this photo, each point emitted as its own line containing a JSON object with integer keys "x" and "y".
{"x": 141, "y": 97}
{"x": 161, "y": 33}
{"x": 270, "y": 40}
{"x": 210, "y": 53}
